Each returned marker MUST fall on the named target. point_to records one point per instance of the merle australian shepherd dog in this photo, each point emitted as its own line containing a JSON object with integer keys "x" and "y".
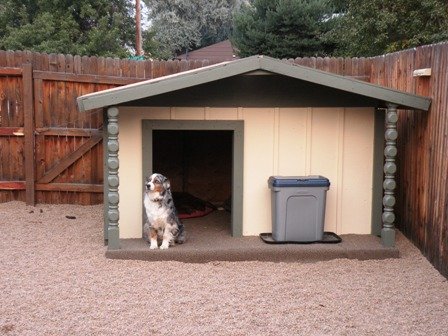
{"x": 162, "y": 221}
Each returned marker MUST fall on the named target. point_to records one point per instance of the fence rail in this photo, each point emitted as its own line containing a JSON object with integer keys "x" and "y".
{"x": 51, "y": 153}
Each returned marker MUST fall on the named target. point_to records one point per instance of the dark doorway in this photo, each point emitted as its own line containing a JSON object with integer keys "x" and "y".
{"x": 199, "y": 166}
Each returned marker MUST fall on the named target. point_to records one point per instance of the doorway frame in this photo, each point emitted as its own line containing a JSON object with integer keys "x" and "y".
{"x": 237, "y": 126}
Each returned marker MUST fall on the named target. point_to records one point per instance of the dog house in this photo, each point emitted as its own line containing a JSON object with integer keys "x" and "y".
{"x": 255, "y": 117}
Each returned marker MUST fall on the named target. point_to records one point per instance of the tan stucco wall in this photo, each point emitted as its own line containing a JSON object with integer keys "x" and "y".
{"x": 336, "y": 143}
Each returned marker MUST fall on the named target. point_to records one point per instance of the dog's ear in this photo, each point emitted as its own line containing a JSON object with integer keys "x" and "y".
{"x": 166, "y": 184}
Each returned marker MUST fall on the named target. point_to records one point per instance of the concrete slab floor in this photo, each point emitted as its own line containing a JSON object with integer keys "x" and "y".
{"x": 209, "y": 239}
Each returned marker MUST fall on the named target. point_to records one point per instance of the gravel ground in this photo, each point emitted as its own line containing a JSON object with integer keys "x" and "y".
{"x": 55, "y": 280}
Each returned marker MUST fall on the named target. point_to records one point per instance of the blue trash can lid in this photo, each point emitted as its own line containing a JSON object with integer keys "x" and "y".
{"x": 298, "y": 181}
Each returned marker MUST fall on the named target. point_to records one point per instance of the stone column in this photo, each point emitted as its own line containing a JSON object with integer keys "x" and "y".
{"x": 112, "y": 197}
{"x": 389, "y": 184}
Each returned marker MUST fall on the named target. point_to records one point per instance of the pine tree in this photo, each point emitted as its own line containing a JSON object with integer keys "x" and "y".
{"x": 283, "y": 28}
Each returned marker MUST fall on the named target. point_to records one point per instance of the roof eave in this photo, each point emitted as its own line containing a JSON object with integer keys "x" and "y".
{"x": 223, "y": 70}
{"x": 166, "y": 84}
{"x": 339, "y": 82}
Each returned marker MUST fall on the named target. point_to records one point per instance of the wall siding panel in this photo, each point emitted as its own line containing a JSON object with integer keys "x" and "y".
{"x": 188, "y": 113}
{"x": 324, "y": 157}
{"x": 216, "y": 113}
{"x": 292, "y": 146}
{"x": 276, "y": 142}
{"x": 259, "y": 132}
{"x": 357, "y": 170}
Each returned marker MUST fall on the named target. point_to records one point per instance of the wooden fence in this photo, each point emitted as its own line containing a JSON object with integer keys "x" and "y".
{"x": 51, "y": 153}
{"x": 422, "y": 202}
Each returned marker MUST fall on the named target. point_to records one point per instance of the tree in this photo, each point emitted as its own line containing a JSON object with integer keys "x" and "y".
{"x": 84, "y": 27}
{"x": 375, "y": 27}
{"x": 178, "y": 26}
{"x": 283, "y": 28}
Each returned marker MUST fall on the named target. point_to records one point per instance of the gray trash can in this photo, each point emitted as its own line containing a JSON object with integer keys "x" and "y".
{"x": 298, "y": 207}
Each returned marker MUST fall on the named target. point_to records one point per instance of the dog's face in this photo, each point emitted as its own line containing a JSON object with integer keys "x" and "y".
{"x": 157, "y": 183}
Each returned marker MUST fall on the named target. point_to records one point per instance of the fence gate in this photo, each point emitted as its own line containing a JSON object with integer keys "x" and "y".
{"x": 16, "y": 135}
{"x": 49, "y": 152}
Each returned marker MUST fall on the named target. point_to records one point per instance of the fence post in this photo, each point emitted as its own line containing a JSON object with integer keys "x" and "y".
{"x": 28, "y": 110}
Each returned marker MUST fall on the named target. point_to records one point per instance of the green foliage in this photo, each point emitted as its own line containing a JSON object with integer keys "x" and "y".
{"x": 376, "y": 27}
{"x": 283, "y": 28}
{"x": 84, "y": 27}
{"x": 153, "y": 47}
{"x": 179, "y": 25}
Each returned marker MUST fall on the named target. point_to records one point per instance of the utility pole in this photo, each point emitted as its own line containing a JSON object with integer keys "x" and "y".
{"x": 138, "y": 26}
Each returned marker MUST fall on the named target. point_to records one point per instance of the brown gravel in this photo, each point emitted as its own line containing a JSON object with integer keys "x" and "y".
{"x": 55, "y": 280}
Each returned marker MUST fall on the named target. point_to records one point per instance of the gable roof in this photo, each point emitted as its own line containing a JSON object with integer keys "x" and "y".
{"x": 187, "y": 79}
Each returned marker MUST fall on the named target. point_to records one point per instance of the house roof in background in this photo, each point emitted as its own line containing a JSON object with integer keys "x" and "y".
{"x": 221, "y": 51}
{"x": 254, "y": 65}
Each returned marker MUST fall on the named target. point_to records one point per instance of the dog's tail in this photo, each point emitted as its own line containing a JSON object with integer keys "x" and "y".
{"x": 181, "y": 235}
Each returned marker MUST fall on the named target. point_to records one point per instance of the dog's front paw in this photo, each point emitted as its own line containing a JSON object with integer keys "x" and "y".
{"x": 153, "y": 244}
{"x": 164, "y": 245}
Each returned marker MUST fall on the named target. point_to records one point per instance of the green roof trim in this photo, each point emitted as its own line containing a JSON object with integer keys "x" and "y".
{"x": 186, "y": 79}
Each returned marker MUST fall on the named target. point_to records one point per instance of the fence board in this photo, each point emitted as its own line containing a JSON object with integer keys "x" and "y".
{"x": 28, "y": 110}
{"x": 12, "y": 185}
{"x": 10, "y": 71}
{"x": 70, "y": 187}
